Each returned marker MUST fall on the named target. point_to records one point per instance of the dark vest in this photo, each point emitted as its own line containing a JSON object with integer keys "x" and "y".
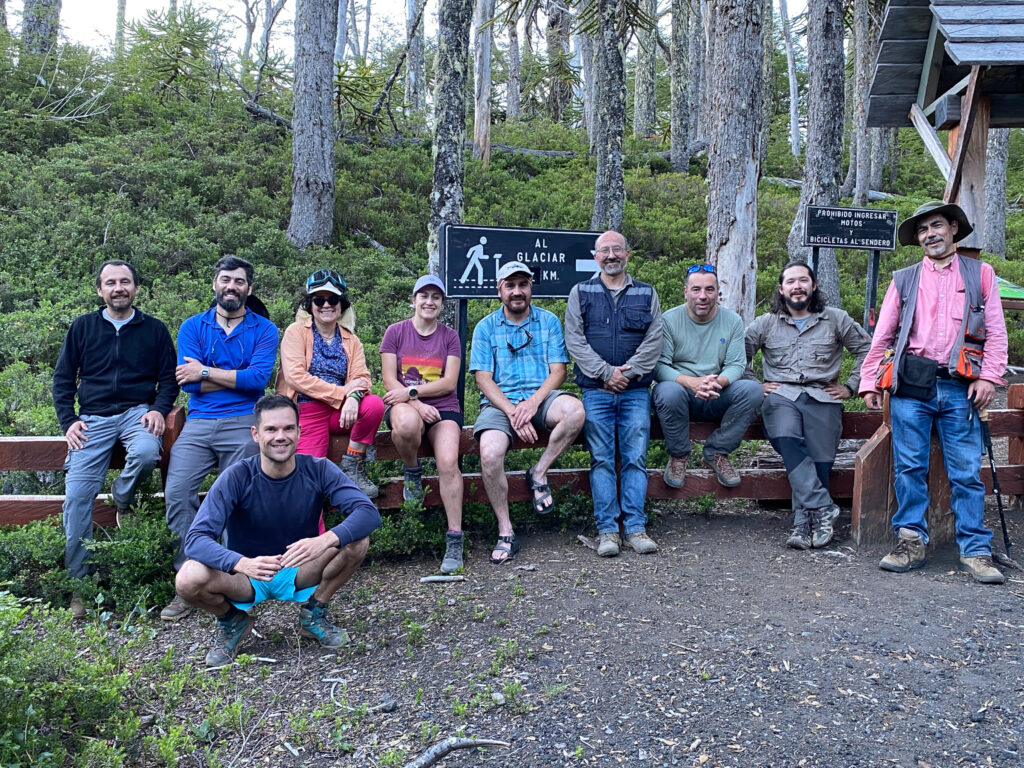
{"x": 614, "y": 331}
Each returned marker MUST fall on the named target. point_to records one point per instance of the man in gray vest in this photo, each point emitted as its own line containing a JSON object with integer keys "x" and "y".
{"x": 801, "y": 342}
{"x": 941, "y": 330}
{"x": 613, "y": 332}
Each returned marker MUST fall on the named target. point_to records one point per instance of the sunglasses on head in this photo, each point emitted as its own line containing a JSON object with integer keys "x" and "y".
{"x": 333, "y": 300}
{"x": 709, "y": 268}
{"x": 325, "y": 277}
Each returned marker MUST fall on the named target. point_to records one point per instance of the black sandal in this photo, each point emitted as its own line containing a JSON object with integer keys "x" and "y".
{"x": 507, "y": 544}
{"x": 544, "y": 488}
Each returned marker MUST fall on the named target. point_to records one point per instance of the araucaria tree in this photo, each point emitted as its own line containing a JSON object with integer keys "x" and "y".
{"x": 446, "y": 196}
{"x": 312, "y": 219}
{"x": 734, "y": 99}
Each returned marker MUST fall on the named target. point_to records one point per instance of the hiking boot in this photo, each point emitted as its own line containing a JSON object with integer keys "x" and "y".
{"x": 675, "y": 472}
{"x": 982, "y": 569}
{"x": 353, "y": 467}
{"x": 412, "y": 484}
{"x": 821, "y": 525}
{"x": 315, "y": 624}
{"x": 452, "y": 552}
{"x": 800, "y": 538}
{"x": 176, "y": 610}
{"x": 77, "y": 608}
{"x": 608, "y": 544}
{"x": 641, "y": 543}
{"x": 719, "y": 463}
{"x": 227, "y": 637}
{"x": 909, "y": 553}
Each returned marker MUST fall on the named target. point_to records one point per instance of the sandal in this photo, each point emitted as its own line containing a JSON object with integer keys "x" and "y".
{"x": 538, "y": 502}
{"x": 507, "y": 544}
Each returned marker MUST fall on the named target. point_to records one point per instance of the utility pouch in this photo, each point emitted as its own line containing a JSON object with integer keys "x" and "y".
{"x": 884, "y": 378}
{"x": 916, "y": 377}
{"x": 968, "y": 366}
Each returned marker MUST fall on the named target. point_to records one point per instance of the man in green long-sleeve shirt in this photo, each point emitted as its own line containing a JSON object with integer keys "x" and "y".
{"x": 699, "y": 376}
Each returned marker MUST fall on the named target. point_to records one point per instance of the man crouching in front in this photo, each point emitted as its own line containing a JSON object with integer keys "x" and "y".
{"x": 268, "y": 510}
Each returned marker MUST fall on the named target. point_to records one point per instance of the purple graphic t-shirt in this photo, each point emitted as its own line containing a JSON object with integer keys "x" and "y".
{"x": 423, "y": 358}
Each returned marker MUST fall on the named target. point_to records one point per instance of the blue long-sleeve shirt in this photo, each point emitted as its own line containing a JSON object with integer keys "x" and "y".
{"x": 249, "y": 350}
{"x": 258, "y": 515}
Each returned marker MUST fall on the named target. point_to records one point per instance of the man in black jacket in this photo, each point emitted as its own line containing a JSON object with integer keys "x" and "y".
{"x": 120, "y": 363}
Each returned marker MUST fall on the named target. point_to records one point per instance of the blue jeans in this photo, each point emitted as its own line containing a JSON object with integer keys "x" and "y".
{"x": 87, "y": 469}
{"x": 626, "y": 415}
{"x": 960, "y": 439}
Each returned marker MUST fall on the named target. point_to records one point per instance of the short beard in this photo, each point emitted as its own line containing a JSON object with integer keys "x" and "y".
{"x": 229, "y": 305}
{"x": 799, "y": 305}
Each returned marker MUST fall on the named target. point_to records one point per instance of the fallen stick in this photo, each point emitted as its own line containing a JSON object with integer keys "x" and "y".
{"x": 440, "y": 579}
{"x": 587, "y": 542}
{"x": 442, "y": 748}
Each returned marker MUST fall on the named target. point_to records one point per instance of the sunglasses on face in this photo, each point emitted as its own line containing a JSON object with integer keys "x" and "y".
{"x": 709, "y": 268}
{"x": 319, "y": 301}
{"x": 325, "y": 277}
{"x": 512, "y": 348}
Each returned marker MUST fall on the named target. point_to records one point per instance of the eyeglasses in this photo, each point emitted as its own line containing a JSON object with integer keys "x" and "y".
{"x": 325, "y": 277}
{"x": 513, "y": 349}
{"x": 616, "y": 249}
{"x": 319, "y": 301}
{"x": 709, "y": 268}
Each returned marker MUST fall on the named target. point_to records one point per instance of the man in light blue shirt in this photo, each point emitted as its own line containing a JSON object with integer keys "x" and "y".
{"x": 519, "y": 360}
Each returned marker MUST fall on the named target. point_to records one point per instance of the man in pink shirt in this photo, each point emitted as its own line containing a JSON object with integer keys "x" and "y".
{"x": 936, "y": 307}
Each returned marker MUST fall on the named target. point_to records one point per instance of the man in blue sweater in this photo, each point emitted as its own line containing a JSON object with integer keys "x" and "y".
{"x": 267, "y": 509}
{"x": 119, "y": 363}
{"x": 225, "y": 358}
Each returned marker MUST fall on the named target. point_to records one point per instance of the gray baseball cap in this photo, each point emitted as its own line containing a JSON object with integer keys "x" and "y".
{"x": 513, "y": 268}
{"x": 431, "y": 281}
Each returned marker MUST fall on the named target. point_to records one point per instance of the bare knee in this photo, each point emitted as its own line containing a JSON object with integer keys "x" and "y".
{"x": 493, "y": 447}
{"x": 405, "y": 422}
{"x": 192, "y": 577}
{"x": 356, "y": 549}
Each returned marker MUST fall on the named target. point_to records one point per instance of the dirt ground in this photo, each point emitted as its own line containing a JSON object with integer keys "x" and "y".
{"x": 723, "y": 649}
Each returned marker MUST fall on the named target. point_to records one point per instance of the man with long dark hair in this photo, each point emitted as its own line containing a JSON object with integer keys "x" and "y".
{"x": 801, "y": 342}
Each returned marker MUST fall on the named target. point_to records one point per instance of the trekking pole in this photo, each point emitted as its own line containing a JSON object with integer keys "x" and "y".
{"x": 986, "y": 436}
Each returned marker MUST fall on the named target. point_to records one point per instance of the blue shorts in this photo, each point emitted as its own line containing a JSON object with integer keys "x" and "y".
{"x": 281, "y": 587}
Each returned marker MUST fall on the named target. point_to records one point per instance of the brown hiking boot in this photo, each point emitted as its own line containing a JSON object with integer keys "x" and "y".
{"x": 982, "y": 569}
{"x": 176, "y": 610}
{"x": 675, "y": 472}
{"x": 723, "y": 470}
{"x": 908, "y": 555}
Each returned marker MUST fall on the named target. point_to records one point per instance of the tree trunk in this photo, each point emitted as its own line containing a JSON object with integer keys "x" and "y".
{"x": 586, "y": 46}
{"x": 172, "y": 7}
{"x": 679, "y": 137}
{"x": 40, "y": 26}
{"x": 271, "y": 10}
{"x": 645, "y": 108}
{"x": 894, "y": 159}
{"x": 860, "y": 109}
{"x": 119, "y": 29}
{"x": 734, "y": 99}
{"x": 824, "y": 148}
{"x": 995, "y": 191}
{"x": 312, "y": 219}
{"x": 881, "y": 146}
{"x": 697, "y": 61}
{"x": 353, "y": 35}
{"x": 767, "y": 77}
{"x": 366, "y": 33}
{"x": 557, "y": 38}
{"x": 609, "y": 186}
{"x": 515, "y": 75}
{"x": 249, "y": 23}
{"x": 482, "y": 77}
{"x": 341, "y": 37}
{"x": 794, "y": 94}
{"x": 3, "y": 15}
{"x": 446, "y": 198}
{"x": 415, "y": 67}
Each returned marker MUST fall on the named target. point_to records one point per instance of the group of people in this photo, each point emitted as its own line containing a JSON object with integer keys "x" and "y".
{"x": 260, "y": 532}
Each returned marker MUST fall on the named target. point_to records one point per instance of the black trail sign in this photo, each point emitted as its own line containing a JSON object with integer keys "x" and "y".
{"x": 471, "y": 257}
{"x": 862, "y": 228}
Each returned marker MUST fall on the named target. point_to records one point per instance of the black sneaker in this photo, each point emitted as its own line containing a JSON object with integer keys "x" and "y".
{"x": 452, "y": 552}
{"x": 800, "y": 538}
{"x": 412, "y": 484}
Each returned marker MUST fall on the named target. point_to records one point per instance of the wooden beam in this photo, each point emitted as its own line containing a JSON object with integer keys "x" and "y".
{"x": 991, "y": 34}
{"x": 969, "y": 110}
{"x": 955, "y": 90}
{"x": 986, "y": 54}
{"x": 971, "y": 196}
{"x": 902, "y": 21}
{"x": 931, "y": 66}
{"x": 931, "y": 140}
{"x": 901, "y": 52}
{"x": 972, "y": 13}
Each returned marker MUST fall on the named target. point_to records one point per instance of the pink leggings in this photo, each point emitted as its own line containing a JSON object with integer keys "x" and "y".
{"x": 319, "y": 421}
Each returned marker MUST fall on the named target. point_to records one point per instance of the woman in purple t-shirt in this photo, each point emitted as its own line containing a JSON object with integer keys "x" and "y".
{"x": 420, "y": 360}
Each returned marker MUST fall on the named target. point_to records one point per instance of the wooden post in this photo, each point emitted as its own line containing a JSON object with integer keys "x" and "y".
{"x": 873, "y": 498}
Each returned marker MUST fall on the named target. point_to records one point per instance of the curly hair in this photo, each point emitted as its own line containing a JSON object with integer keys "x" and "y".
{"x": 816, "y": 302}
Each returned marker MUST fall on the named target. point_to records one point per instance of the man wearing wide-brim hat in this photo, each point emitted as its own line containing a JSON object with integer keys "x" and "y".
{"x": 943, "y": 322}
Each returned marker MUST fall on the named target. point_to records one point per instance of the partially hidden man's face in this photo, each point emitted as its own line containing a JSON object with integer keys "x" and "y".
{"x": 702, "y": 295}
{"x": 797, "y": 287}
{"x": 277, "y": 433}
{"x": 935, "y": 233}
{"x": 117, "y": 288}
{"x": 516, "y": 292}
{"x": 231, "y": 288}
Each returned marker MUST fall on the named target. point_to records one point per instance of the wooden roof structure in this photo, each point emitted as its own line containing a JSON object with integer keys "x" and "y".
{"x": 955, "y": 65}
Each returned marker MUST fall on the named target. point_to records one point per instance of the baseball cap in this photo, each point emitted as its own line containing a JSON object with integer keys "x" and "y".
{"x": 429, "y": 281}
{"x": 513, "y": 268}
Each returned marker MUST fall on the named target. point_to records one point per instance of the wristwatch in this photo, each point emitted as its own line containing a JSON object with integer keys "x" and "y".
{"x": 413, "y": 393}
{"x": 205, "y": 373}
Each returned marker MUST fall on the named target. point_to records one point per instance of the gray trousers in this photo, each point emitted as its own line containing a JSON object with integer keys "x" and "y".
{"x": 734, "y": 409}
{"x": 805, "y": 432}
{"x": 204, "y": 445}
